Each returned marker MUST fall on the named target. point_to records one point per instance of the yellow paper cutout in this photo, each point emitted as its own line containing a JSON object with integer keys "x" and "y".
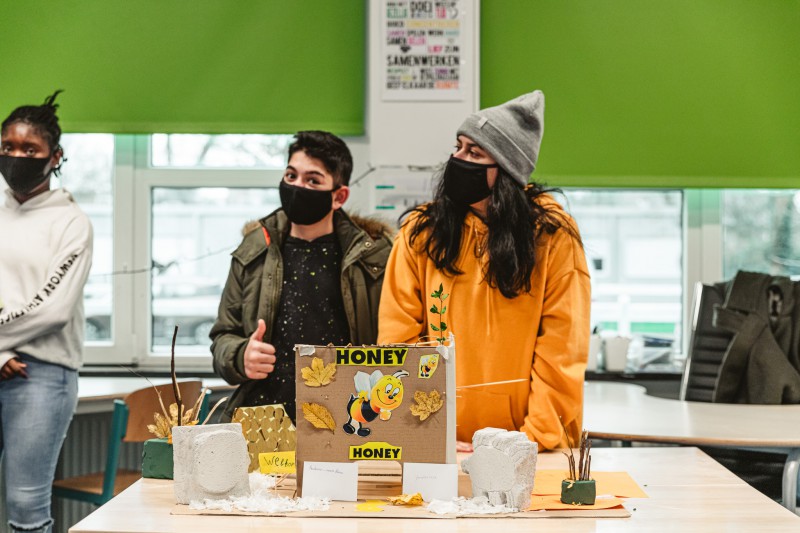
{"x": 371, "y": 506}
{"x": 406, "y": 499}
{"x": 277, "y": 463}
{"x": 618, "y": 484}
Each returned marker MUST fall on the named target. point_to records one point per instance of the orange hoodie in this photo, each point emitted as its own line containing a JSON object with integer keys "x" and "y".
{"x": 541, "y": 336}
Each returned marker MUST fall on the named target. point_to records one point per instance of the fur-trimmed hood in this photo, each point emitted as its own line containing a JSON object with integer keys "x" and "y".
{"x": 375, "y": 227}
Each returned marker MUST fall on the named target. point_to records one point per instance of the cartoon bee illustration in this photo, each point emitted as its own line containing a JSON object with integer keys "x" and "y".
{"x": 376, "y": 395}
{"x": 428, "y": 365}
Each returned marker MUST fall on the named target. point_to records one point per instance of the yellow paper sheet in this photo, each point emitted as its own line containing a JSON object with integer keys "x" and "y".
{"x": 552, "y": 502}
{"x": 277, "y": 463}
{"x": 618, "y": 484}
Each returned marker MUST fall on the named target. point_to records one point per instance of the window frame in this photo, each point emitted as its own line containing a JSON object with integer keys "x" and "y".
{"x": 134, "y": 178}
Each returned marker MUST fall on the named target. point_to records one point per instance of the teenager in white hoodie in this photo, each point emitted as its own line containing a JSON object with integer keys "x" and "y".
{"x": 45, "y": 256}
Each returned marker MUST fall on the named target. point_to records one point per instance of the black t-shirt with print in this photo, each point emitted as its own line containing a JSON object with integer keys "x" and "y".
{"x": 311, "y": 311}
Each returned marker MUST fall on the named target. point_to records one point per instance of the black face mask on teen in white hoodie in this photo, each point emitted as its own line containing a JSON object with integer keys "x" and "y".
{"x": 23, "y": 174}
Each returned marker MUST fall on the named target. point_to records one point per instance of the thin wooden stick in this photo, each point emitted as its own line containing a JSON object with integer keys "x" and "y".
{"x": 280, "y": 480}
{"x": 571, "y": 455}
{"x": 175, "y": 389}
{"x": 196, "y": 408}
{"x": 208, "y": 417}
{"x": 490, "y": 384}
{"x": 158, "y": 392}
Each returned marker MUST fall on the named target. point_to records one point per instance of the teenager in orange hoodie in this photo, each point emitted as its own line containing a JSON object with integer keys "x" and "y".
{"x": 512, "y": 263}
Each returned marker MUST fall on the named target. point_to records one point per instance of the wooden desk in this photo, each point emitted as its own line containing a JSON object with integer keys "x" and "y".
{"x": 619, "y": 411}
{"x": 689, "y": 492}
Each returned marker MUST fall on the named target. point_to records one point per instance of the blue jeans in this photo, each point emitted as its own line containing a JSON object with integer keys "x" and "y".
{"x": 34, "y": 417}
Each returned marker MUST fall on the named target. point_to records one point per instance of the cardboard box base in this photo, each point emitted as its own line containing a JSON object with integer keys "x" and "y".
{"x": 382, "y": 479}
{"x": 349, "y": 510}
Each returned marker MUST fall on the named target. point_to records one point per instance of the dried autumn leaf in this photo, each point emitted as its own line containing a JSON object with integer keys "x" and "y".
{"x": 318, "y": 374}
{"x": 406, "y": 499}
{"x": 319, "y": 416}
{"x": 163, "y": 425}
{"x": 427, "y": 404}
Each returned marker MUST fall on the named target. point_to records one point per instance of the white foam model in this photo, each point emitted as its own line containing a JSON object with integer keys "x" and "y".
{"x": 502, "y": 467}
{"x": 210, "y": 462}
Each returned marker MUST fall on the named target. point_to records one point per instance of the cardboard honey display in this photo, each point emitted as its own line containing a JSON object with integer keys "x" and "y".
{"x": 369, "y": 404}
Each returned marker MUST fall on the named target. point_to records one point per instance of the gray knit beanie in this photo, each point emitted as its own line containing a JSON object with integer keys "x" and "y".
{"x": 511, "y": 133}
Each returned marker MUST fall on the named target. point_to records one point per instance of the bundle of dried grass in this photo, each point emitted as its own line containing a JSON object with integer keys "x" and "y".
{"x": 169, "y": 418}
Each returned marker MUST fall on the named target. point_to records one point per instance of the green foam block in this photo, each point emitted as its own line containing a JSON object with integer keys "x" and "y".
{"x": 157, "y": 459}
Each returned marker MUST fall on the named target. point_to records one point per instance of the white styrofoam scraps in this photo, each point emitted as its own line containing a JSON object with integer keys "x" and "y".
{"x": 262, "y": 500}
{"x": 305, "y": 349}
{"x": 502, "y": 467}
{"x": 461, "y": 506}
{"x": 210, "y": 462}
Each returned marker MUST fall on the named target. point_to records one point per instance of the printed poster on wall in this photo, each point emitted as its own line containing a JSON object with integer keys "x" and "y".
{"x": 422, "y": 50}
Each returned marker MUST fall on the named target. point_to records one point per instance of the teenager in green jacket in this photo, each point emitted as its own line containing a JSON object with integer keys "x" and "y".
{"x": 306, "y": 274}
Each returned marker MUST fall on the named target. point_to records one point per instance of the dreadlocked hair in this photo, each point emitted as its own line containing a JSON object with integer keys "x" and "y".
{"x": 42, "y": 118}
{"x": 515, "y": 220}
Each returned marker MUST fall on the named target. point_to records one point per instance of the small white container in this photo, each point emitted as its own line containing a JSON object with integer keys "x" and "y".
{"x": 615, "y": 353}
{"x": 595, "y": 345}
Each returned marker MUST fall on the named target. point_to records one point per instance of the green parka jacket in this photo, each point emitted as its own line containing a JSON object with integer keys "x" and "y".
{"x": 253, "y": 289}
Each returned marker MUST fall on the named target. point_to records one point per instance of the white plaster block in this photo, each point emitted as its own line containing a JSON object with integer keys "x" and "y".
{"x": 210, "y": 462}
{"x": 502, "y": 467}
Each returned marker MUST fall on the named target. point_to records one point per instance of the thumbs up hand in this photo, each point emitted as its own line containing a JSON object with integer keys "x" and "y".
{"x": 259, "y": 356}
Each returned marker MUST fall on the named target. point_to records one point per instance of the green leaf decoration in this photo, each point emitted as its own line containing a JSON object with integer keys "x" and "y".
{"x": 438, "y": 311}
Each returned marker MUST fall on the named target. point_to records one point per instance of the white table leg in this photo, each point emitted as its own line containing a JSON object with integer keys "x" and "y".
{"x": 790, "y": 480}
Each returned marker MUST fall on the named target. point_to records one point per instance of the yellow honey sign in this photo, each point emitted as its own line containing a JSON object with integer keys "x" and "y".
{"x": 277, "y": 463}
{"x": 375, "y": 356}
{"x": 376, "y": 451}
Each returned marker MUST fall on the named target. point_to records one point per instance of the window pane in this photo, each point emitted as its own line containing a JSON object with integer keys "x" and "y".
{"x": 219, "y": 151}
{"x": 761, "y": 232}
{"x": 634, "y": 242}
{"x": 88, "y": 175}
{"x": 194, "y": 232}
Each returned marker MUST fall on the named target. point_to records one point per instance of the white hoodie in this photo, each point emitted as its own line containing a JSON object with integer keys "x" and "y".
{"x": 45, "y": 257}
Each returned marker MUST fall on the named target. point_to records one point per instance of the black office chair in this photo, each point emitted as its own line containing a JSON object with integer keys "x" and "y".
{"x": 707, "y": 345}
{"x": 761, "y": 469}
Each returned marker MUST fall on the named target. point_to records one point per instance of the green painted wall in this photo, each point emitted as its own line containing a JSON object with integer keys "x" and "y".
{"x": 695, "y": 93}
{"x": 209, "y": 66}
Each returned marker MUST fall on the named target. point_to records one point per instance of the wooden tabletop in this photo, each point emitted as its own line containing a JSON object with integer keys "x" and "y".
{"x": 620, "y": 411}
{"x": 688, "y": 492}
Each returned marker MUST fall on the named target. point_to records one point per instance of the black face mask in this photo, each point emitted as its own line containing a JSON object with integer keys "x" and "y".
{"x": 23, "y": 174}
{"x": 305, "y": 206}
{"x": 466, "y": 183}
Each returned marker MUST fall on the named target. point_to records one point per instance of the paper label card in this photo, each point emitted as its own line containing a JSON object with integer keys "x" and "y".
{"x": 277, "y": 463}
{"x": 433, "y": 481}
{"x": 337, "y": 481}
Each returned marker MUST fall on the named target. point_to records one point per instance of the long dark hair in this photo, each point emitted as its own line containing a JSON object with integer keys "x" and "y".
{"x": 515, "y": 220}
